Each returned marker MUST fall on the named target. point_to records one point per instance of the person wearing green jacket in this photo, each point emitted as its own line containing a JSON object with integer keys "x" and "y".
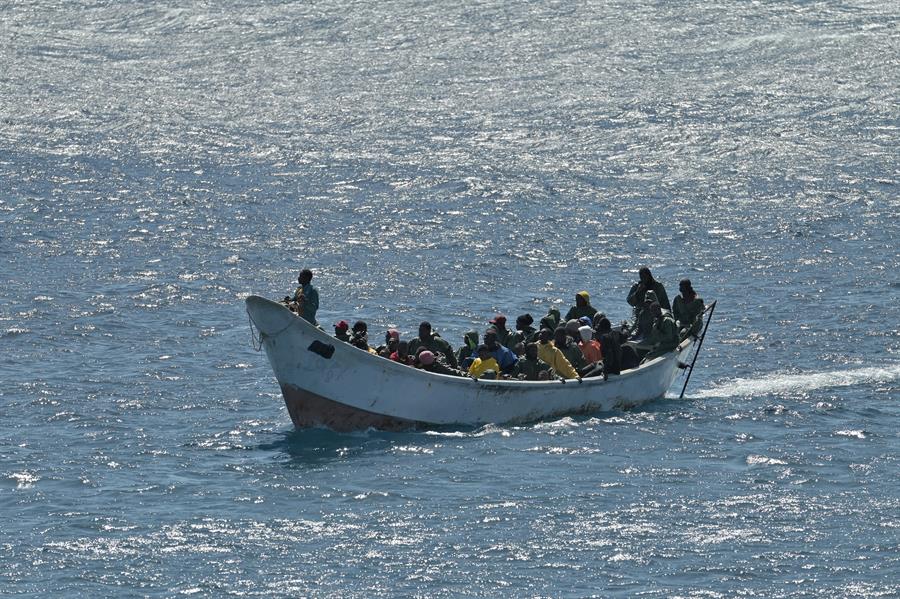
{"x": 464, "y": 355}
{"x": 663, "y": 336}
{"x": 434, "y": 343}
{"x": 688, "y": 309}
{"x": 571, "y": 351}
{"x": 530, "y": 367}
{"x": 645, "y": 284}
{"x": 582, "y": 307}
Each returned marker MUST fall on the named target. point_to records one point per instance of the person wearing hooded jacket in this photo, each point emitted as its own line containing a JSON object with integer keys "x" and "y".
{"x": 647, "y": 283}
{"x": 582, "y": 307}
{"x": 470, "y": 344}
{"x": 663, "y": 336}
{"x": 688, "y": 309}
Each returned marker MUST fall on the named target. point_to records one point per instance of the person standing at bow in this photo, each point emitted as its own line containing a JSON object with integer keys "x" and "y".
{"x": 306, "y": 297}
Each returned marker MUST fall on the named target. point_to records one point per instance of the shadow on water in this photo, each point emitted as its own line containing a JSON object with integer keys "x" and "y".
{"x": 315, "y": 447}
{"x": 311, "y": 447}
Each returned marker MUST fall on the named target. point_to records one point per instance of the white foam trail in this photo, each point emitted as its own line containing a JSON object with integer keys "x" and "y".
{"x": 768, "y": 384}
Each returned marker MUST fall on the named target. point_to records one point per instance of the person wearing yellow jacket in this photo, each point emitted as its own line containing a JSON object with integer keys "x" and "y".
{"x": 484, "y": 362}
{"x": 553, "y": 356}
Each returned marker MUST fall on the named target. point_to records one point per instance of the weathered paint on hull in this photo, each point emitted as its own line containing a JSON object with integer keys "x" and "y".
{"x": 309, "y": 410}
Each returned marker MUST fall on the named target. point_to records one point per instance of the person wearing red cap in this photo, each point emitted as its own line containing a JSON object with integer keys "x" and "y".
{"x": 340, "y": 330}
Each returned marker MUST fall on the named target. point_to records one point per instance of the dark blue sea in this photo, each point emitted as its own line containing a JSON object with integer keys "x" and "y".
{"x": 443, "y": 161}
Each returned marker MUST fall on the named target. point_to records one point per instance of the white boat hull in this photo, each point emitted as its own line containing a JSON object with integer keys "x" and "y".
{"x": 328, "y": 383}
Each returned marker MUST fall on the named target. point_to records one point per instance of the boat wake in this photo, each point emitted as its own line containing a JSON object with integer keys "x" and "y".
{"x": 793, "y": 383}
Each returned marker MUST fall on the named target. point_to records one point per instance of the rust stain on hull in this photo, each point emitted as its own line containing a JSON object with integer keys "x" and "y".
{"x": 311, "y": 410}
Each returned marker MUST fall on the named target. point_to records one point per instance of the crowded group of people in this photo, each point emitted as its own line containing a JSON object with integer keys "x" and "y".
{"x": 581, "y": 344}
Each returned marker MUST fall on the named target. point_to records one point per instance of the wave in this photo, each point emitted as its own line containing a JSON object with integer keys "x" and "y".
{"x": 768, "y": 384}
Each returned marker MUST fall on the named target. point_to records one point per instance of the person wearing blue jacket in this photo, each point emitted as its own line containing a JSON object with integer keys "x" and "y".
{"x": 504, "y": 356}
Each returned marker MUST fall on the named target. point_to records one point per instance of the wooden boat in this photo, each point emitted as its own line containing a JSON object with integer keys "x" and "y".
{"x": 329, "y": 383}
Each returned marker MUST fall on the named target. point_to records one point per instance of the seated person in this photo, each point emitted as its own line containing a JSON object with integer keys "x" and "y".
{"x": 552, "y": 355}
{"x": 433, "y": 342}
{"x": 590, "y": 347}
{"x": 525, "y": 333}
{"x": 582, "y": 307}
{"x": 663, "y": 336}
{"x": 483, "y": 363}
{"x": 360, "y": 327}
{"x": 504, "y": 335}
{"x": 572, "y": 327}
{"x": 531, "y": 367}
{"x": 464, "y": 356}
{"x": 391, "y": 339}
{"x": 340, "y": 330}
{"x": 402, "y": 354}
{"x": 361, "y": 341}
{"x": 547, "y": 322}
{"x": 429, "y": 363}
{"x": 688, "y": 310}
{"x": 643, "y": 321}
{"x": 504, "y": 357}
{"x": 611, "y": 348}
{"x": 570, "y": 350}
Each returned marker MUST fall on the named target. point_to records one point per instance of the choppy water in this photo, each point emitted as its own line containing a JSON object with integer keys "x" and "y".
{"x": 160, "y": 161}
